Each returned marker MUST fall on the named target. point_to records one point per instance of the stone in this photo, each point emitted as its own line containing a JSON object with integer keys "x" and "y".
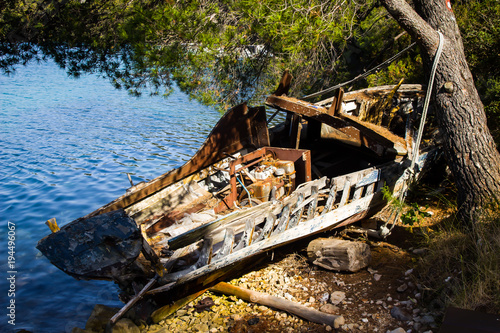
{"x": 336, "y": 297}
{"x": 397, "y": 330}
{"x": 329, "y": 308}
{"x": 402, "y": 288}
{"x": 377, "y": 277}
{"x": 324, "y": 297}
{"x": 100, "y": 316}
{"x": 125, "y": 325}
{"x": 75, "y": 330}
{"x": 399, "y": 314}
{"x": 427, "y": 319}
{"x": 253, "y": 321}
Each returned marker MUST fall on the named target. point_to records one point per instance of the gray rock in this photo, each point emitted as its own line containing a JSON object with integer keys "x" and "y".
{"x": 125, "y": 325}
{"x": 419, "y": 251}
{"x": 336, "y": 297}
{"x": 377, "y": 277}
{"x": 324, "y": 297}
{"x": 399, "y": 314}
{"x": 79, "y": 330}
{"x": 100, "y": 316}
{"x": 402, "y": 288}
{"x": 329, "y": 308}
{"x": 427, "y": 319}
{"x": 397, "y": 330}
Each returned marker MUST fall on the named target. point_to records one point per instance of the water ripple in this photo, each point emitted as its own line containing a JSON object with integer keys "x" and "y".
{"x": 65, "y": 148}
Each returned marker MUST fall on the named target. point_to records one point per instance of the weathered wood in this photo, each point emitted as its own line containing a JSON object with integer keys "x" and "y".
{"x": 405, "y": 91}
{"x": 279, "y": 303}
{"x": 339, "y": 255}
{"x": 331, "y": 198}
{"x": 132, "y": 301}
{"x": 297, "y": 212}
{"x": 268, "y": 227}
{"x": 227, "y": 245}
{"x": 246, "y": 239}
{"x": 346, "y": 191}
{"x": 199, "y": 232}
{"x": 311, "y": 211}
{"x": 179, "y": 253}
{"x": 203, "y": 260}
{"x": 249, "y": 130}
{"x": 165, "y": 311}
{"x": 351, "y": 212}
{"x": 283, "y": 220}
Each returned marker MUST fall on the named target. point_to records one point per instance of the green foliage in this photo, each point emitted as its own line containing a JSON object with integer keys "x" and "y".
{"x": 479, "y": 22}
{"x": 227, "y": 52}
{"x": 412, "y": 213}
{"x": 222, "y": 52}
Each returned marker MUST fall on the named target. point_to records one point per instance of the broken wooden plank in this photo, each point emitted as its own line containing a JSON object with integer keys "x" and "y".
{"x": 227, "y": 245}
{"x": 199, "y": 232}
{"x": 165, "y": 311}
{"x": 246, "y": 239}
{"x": 279, "y": 303}
{"x": 311, "y": 211}
{"x": 297, "y": 212}
{"x": 352, "y": 211}
{"x": 268, "y": 227}
{"x": 356, "y": 132}
{"x": 283, "y": 220}
{"x": 204, "y": 259}
{"x": 345, "y": 191}
{"x": 133, "y": 300}
{"x": 331, "y": 197}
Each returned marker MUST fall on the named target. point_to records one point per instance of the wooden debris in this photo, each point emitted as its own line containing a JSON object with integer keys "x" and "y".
{"x": 337, "y": 254}
{"x": 165, "y": 311}
{"x": 279, "y": 303}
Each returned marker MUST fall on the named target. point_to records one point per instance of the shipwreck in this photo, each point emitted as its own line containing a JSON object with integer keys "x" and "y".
{"x": 249, "y": 189}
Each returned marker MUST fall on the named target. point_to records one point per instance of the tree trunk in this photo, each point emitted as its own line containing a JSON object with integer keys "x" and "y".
{"x": 469, "y": 147}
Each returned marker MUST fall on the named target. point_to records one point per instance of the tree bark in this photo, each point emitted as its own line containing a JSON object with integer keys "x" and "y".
{"x": 468, "y": 145}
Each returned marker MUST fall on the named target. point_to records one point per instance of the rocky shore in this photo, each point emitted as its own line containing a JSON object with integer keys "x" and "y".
{"x": 383, "y": 297}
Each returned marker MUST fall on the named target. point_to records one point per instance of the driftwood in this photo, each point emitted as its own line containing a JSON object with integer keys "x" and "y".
{"x": 279, "y": 303}
{"x": 337, "y": 254}
{"x": 132, "y": 301}
{"x": 165, "y": 311}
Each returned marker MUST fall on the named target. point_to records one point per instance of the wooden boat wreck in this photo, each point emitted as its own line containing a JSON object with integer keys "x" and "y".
{"x": 249, "y": 189}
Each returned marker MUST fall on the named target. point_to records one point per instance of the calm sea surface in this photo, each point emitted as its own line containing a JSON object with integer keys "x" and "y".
{"x": 65, "y": 148}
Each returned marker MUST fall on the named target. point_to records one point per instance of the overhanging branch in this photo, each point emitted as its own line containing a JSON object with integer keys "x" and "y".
{"x": 415, "y": 25}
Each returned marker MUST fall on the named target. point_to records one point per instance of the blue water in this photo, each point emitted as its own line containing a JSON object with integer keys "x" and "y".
{"x": 65, "y": 148}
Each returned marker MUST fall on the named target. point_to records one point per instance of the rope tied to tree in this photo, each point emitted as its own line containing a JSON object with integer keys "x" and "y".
{"x": 410, "y": 172}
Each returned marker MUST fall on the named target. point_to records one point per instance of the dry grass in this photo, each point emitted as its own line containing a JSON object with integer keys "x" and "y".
{"x": 462, "y": 266}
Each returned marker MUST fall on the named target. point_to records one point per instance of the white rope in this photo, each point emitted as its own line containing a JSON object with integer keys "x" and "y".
{"x": 410, "y": 172}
